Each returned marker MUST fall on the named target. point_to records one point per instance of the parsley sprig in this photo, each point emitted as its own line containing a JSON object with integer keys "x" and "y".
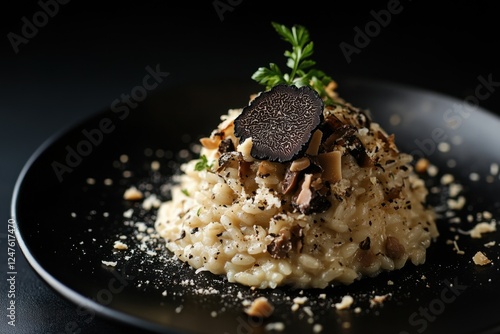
{"x": 202, "y": 164}
{"x": 302, "y": 73}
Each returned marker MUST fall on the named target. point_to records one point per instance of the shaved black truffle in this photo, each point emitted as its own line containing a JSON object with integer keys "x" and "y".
{"x": 280, "y": 122}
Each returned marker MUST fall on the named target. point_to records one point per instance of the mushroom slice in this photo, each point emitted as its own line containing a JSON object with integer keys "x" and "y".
{"x": 228, "y": 159}
{"x": 345, "y": 136}
{"x": 226, "y": 145}
{"x": 280, "y": 245}
{"x": 288, "y": 240}
{"x": 358, "y": 151}
{"x": 289, "y": 181}
{"x": 235, "y": 160}
{"x": 309, "y": 200}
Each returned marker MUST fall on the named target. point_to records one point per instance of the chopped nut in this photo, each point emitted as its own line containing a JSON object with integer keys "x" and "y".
{"x": 455, "y": 189}
{"x": 252, "y": 97}
{"x": 481, "y": 228}
{"x": 447, "y": 179}
{"x": 120, "y": 245}
{"x": 432, "y": 170}
{"x": 300, "y": 164}
{"x": 487, "y": 215}
{"x": 490, "y": 244}
{"x": 151, "y": 202}
{"x": 378, "y": 300}
{"x": 260, "y": 308}
{"x": 275, "y": 326}
{"x": 422, "y": 165}
{"x": 331, "y": 163}
{"x": 128, "y": 213}
{"x": 109, "y": 263}
{"x": 456, "y": 204}
{"x": 315, "y": 143}
{"x": 210, "y": 143}
{"x": 345, "y": 303}
{"x": 480, "y": 259}
{"x": 155, "y": 166}
{"x": 132, "y": 194}
{"x": 300, "y": 300}
{"x": 305, "y": 195}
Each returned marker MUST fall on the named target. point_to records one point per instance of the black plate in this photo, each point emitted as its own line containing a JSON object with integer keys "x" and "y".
{"x": 67, "y": 226}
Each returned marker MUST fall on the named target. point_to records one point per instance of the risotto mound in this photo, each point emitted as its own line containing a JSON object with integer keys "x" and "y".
{"x": 348, "y": 205}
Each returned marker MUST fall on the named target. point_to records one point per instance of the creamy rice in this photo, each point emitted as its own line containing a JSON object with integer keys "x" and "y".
{"x": 234, "y": 218}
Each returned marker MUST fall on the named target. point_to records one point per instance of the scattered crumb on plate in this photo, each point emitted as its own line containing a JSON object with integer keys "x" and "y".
{"x": 345, "y": 303}
{"x": 297, "y": 302}
{"x": 480, "y": 259}
{"x": 109, "y": 263}
{"x": 275, "y": 326}
{"x": 133, "y": 194}
{"x": 260, "y": 307}
{"x": 479, "y": 229}
{"x": 379, "y": 300}
{"x": 490, "y": 244}
{"x": 120, "y": 245}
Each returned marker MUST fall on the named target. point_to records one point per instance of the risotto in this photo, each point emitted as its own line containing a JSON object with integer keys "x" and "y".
{"x": 338, "y": 202}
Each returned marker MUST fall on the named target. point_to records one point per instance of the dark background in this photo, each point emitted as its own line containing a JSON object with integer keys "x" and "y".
{"x": 88, "y": 54}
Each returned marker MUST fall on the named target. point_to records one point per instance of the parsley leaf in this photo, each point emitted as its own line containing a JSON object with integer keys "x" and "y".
{"x": 202, "y": 164}
{"x": 302, "y": 73}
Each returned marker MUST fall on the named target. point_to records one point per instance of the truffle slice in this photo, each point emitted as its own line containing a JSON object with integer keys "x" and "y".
{"x": 280, "y": 122}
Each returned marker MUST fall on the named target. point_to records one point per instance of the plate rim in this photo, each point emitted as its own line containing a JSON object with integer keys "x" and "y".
{"x": 60, "y": 288}
{"x": 121, "y": 316}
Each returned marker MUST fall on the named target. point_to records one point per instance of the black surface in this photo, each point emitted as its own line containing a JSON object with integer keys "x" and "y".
{"x": 88, "y": 55}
